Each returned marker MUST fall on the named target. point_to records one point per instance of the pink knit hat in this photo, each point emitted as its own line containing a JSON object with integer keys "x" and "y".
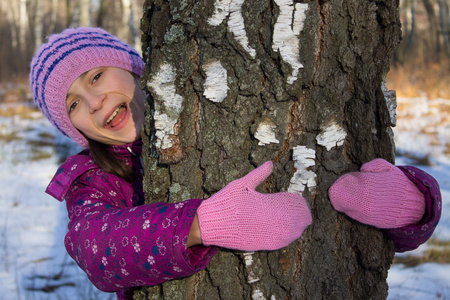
{"x": 66, "y": 56}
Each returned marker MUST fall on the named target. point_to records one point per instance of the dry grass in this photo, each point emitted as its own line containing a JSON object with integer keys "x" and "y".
{"x": 16, "y": 100}
{"x": 447, "y": 149}
{"x": 9, "y": 137}
{"x": 23, "y": 111}
{"x": 421, "y": 160}
{"x": 419, "y": 80}
{"x": 439, "y": 252}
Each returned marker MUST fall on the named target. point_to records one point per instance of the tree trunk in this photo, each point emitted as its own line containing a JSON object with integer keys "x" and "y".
{"x": 23, "y": 27}
{"x": 71, "y": 14}
{"x": 101, "y": 12}
{"x": 15, "y": 28}
{"x": 444, "y": 20}
{"x": 434, "y": 30}
{"x": 234, "y": 83}
{"x": 38, "y": 24}
{"x": 412, "y": 21}
{"x": 135, "y": 22}
{"x": 84, "y": 7}
{"x": 123, "y": 30}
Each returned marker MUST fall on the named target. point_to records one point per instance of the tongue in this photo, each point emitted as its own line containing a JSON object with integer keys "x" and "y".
{"x": 118, "y": 118}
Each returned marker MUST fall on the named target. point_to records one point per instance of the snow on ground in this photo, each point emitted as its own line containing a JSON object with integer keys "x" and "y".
{"x": 423, "y": 134}
{"x": 429, "y": 280}
{"x": 34, "y": 263}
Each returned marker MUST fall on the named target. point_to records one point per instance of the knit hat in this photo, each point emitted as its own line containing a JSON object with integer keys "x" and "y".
{"x": 67, "y": 55}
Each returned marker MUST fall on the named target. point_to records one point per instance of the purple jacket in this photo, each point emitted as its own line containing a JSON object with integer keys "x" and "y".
{"x": 412, "y": 236}
{"x": 119, "y": 241}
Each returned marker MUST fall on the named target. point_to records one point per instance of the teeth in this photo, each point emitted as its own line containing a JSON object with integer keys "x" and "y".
{"x": 114, "y": 114}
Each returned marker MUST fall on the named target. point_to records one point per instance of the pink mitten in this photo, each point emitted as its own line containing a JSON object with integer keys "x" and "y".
{"x": 238, "y": 217}
{"x": 379, "y": 195}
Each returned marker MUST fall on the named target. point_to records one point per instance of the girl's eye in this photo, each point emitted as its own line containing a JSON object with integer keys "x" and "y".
{"x": 73, "y": 106}
{"x": 96, "y": 77}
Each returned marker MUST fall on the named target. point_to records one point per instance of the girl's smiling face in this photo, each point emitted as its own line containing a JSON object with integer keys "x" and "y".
{"x": 107, "y": 105}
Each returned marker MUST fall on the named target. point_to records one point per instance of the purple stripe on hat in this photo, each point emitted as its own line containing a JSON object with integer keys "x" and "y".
{"x": 48, "y": 50}
{"x": 84, "y": 36}
{"x": 38, "y": 57}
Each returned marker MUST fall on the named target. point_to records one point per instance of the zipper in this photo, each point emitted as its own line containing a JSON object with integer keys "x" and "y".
{"x": 134, "y": 154}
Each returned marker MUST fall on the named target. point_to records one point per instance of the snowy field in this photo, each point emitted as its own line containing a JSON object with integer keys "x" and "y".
{"x": 34, "y": 263}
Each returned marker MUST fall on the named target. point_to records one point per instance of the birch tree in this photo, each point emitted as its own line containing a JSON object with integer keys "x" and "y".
{"x": 23, "y": 25}
{"x": 234, "y": 83}
{"x": 84, "y": 7}
{"x": 38, "y": 24}
{"x": 434, "y": 34}
{"x": 135, "y": 18}
{"x": 125, "y": 22}
{"x": 17, "y": 19}
{"x": 444, "y": 21}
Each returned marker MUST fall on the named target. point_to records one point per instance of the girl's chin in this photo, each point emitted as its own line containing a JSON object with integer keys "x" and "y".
{"x": 110, "y": 139}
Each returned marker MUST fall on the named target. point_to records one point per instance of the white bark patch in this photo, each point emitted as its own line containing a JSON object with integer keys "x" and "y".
{"x": 251, "y": 277}
{"x": 332, "y": 136}
{"x": 258, "y": 295}
{"x": 233, "y": 9}
{"x": 168, "y": 105}
{"x": 391, "y": 102}
{"x": 265, "y": 133}
{"x": 164, "y": 128}
{"x": 286, "y": 32}
{"x": 248, "y": 258}
{"x": 163, "y": 84}
{"x": 304, "y": 158}
{"x": 216, "y": 86}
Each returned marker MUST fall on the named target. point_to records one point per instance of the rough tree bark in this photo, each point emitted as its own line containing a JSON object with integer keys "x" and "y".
{"x": 234, "y": 83}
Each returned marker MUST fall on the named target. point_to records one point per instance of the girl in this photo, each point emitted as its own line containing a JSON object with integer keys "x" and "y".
{"x": 85, "y": 81}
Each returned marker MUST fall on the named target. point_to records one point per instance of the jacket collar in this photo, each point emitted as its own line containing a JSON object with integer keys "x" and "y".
{"x": 76, "y": 165}
{"x": 127, "y": 150}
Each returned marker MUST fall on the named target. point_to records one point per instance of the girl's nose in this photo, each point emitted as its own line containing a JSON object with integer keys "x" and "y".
{"x": 96, "y": 102}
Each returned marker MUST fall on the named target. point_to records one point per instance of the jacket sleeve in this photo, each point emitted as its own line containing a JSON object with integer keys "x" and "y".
{"x": 120, "y": 248}
{"x": 412, "y": 236}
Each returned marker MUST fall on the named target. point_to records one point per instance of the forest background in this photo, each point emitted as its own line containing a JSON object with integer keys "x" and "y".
{"x": 420, "y": 66}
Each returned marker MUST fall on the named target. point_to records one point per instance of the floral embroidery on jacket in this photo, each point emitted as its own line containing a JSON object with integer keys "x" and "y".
{"x": 117, "y": 240}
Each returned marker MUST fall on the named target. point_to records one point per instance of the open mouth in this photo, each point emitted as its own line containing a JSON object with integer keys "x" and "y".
{"x": 116, "y": 117}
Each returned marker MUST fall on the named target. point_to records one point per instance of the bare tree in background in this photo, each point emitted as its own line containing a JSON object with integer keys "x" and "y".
{"x": 426, "y": 31}
{"x": 235, "y": 83}
{"x": 28, "y": 22}
{"x": 84, "y": 7}
{"x": 434, "y": 27}
{"x": 24, "y": 25}
{"x": 135, "y": 21}
{"x": 38, "y": 24}
{"x": 444, "y": 21}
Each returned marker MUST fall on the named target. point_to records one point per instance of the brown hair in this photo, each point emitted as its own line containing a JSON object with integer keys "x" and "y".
{"x": 108, "y": 162}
